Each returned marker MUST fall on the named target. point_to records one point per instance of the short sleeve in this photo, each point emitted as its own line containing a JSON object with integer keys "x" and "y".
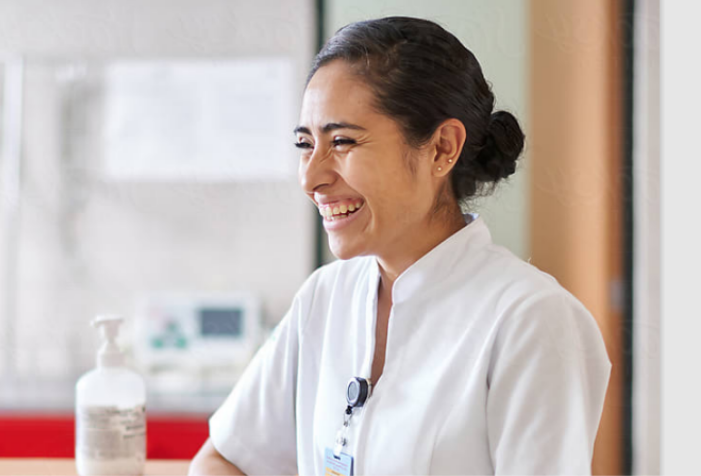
{"x": 255, "y": 427}
{"x": 547, "y": 382}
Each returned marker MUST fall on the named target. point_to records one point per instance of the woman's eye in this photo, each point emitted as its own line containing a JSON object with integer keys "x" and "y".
{"x": 343, "y": 141}
{"x": 307, "y": 145}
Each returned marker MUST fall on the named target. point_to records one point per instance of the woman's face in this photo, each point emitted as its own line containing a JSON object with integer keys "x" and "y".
{"x": 354, "y": 166}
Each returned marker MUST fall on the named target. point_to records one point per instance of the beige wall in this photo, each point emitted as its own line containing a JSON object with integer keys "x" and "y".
{"x": 576, "y": 188}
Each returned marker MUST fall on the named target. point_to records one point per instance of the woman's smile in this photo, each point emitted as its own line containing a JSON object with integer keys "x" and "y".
{"x": 341, "y": 214}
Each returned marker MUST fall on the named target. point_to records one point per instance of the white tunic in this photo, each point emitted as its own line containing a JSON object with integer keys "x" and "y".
{"x": 491, "y": 367}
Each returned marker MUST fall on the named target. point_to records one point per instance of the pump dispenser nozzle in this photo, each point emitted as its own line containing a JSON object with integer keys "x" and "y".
{"x": 109, "y": 354}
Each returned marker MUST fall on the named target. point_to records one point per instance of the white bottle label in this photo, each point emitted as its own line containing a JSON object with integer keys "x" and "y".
{"x": 110, "y": 433}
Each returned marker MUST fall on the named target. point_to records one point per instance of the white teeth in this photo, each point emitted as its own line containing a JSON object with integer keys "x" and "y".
{"x": 329, "y": 212}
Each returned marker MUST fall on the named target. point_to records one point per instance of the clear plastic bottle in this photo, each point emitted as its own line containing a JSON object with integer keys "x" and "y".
{"x": 110, "y": 411}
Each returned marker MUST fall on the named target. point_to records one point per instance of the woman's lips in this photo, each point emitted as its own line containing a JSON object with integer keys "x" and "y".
{"x": 336, "y": 222}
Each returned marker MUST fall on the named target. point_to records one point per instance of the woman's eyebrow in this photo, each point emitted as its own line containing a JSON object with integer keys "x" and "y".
{"x": 331, "y": 126}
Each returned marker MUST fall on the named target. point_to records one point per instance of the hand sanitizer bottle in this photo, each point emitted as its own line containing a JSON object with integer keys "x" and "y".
{"x": 110, "y": 411}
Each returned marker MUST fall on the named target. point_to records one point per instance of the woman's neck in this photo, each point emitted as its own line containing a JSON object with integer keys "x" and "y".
{"x": 400, "y": 258}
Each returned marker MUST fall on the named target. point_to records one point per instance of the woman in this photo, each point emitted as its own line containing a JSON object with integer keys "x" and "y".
{"x": 477, "y": 362}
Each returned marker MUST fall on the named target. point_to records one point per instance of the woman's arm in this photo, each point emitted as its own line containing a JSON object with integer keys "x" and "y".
{"x": 209, "y": 461}
{"x": 547, "y": 383}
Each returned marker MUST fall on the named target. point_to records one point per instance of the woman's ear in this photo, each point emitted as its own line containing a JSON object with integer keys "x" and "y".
{"x": 448, "y": 140}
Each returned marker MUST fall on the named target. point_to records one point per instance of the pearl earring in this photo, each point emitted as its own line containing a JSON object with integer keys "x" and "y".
{"x": 440, "y": 168}
{"x": 450, "y": 161}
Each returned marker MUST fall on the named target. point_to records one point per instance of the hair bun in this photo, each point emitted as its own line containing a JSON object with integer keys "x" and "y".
{"x": 502, "y": 147}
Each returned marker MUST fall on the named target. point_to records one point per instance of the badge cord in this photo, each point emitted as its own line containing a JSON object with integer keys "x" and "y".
{"x": 359, "y": 388}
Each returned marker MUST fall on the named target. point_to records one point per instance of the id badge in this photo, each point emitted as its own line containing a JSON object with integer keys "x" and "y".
{"x": 337, "y": 465}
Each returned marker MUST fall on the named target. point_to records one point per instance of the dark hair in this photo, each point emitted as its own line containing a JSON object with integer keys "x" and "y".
{"x": 422, "y": 75}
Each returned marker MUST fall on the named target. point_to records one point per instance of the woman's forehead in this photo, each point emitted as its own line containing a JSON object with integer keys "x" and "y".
{"x": 335, "y": 95}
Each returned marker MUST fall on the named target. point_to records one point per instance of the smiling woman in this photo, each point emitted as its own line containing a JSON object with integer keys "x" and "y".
{"x": 470, "y": 360}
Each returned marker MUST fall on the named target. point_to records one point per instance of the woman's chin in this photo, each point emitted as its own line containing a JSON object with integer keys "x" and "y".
{"x": 343, "y": 251}
{"x": 343, "y": 255}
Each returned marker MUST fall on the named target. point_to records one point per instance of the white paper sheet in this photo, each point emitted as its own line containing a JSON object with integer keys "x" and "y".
{"x": 199, "y": 120}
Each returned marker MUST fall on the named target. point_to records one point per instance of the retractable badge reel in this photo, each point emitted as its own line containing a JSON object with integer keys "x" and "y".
{"x": 357, "y": 393}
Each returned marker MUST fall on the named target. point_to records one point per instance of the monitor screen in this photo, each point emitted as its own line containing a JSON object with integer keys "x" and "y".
{"x": 226, "y": 322}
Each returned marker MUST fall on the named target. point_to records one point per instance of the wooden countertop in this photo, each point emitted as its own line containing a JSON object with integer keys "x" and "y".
{"x": 66, "y": 467}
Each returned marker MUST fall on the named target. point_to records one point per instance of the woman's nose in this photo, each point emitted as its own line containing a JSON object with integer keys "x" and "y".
{"x": 315, "y": 170}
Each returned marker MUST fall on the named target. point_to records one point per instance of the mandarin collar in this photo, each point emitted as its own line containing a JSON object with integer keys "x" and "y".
{"x": 437, "y": 264}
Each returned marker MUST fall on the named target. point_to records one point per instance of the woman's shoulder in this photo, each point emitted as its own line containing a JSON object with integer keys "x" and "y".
{"x": 496, "y": 271}
{"x": 513, "y": 289}
{"x": 530, "y": 300}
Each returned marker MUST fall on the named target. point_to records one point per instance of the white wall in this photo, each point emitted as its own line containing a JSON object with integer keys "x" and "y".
{"x": 496, "y": 32}
{"x": 91, "y": 246}
{"x": 680, "y": 250}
